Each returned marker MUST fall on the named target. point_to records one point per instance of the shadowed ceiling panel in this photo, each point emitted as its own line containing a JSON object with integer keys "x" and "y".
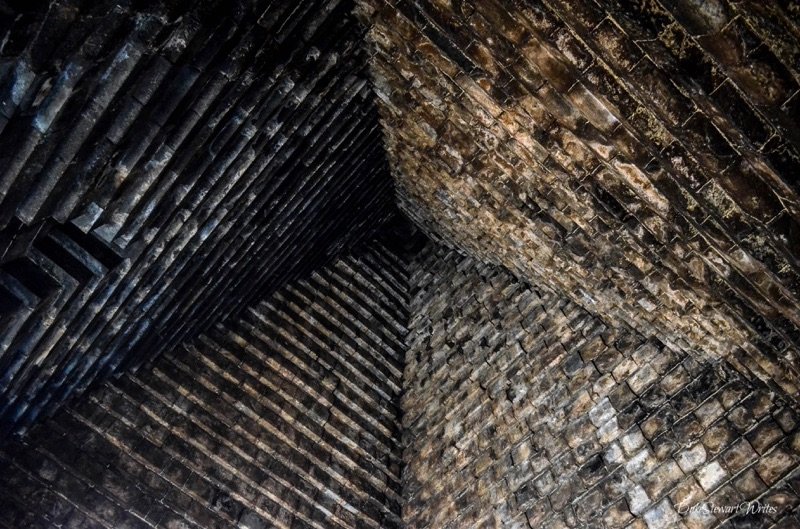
{"x": 163, "y": 165}
{"x": 640, "y": 156}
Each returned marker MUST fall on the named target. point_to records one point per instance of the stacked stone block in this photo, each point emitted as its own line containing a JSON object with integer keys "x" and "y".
{"x": 162, "y": 166}
{"x": 640, "y": 156}
{"x": 521, "y": 409}
{"x": 616, "y": 348}
{"x": 285, "y": 418}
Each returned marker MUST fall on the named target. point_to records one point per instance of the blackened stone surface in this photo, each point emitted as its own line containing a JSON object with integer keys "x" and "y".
{"x": 285, "y": 418}
{"x": 162, "y": 165}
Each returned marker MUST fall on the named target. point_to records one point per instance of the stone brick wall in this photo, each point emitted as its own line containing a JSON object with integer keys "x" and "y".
{"x": 162, "y": 166}
{"x": 641, "y": 156}
{"x": 285, "y": 418}
{"x": 521, "y": 409}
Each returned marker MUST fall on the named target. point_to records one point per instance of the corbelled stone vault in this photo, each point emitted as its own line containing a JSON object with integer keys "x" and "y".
{"x": 387, "y": 264}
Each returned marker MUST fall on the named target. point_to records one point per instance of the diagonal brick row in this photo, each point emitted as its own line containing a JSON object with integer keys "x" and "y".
{"x": 521, "y": 409}
{"x": 604, "y": 332}
{"x": 161, "y": 169}
{"x": 640, "y": 156}
{"x": 265, "y": 421}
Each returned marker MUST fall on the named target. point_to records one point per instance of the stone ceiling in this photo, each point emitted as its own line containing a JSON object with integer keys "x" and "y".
{"x": 640, "y": 156}
{"x": 212, "y": 312}
{"x": 165, "y": 164}
{"x": 162, "y": 166}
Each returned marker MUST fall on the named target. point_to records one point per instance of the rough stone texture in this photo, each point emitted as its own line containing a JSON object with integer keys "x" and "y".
{"x": 287, "y": 417}
{"x": 521, "y": 409}
{"x": 608, "y": 337}
{"x": 163, "y": 165}
{"x": 641, "y": 156}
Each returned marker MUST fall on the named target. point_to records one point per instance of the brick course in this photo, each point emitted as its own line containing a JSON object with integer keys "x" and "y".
{"x": 626, "y": 153}
{"x": 163, "y": 165}
{"x": 518, "y": 412}
{"x": 287, "y": 417}
{"x": 602, "y": 331}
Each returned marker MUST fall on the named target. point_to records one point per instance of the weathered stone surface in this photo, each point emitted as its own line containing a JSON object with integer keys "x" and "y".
{"x": 285, "y": 418}
{"x": 604, "y": 332}
{"x": 162, "y": 166}
{"x": 491, "y": 436}
{"x": 625, "y": 153}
